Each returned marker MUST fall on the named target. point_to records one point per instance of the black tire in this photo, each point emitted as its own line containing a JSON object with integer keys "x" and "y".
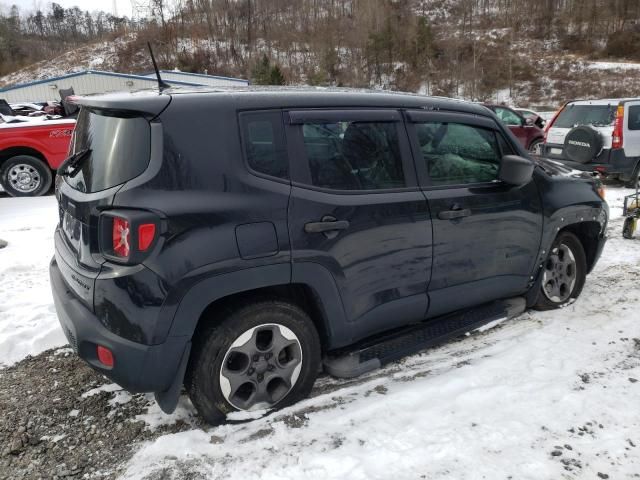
{"x": 534, "y": 146}
{"x": 629, "y": 228}
{"x": 634, "y": 181}
{"x": 213, "y": 344}
{"x": 25, "y": 176}
{"x": 555, "y": 273}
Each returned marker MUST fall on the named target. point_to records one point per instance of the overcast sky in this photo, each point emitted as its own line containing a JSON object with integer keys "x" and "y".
{"x": 123, "y": 6}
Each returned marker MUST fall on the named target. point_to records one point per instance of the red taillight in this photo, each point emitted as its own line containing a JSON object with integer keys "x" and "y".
{"x": 105, "y": 356}
{"x": 551, "y": 122}
{"x": 121, "y": 237}
{"x": 616, "y": 137}
{"x": 146, "y": 234}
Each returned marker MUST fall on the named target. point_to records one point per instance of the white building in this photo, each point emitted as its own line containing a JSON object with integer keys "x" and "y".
{"x": 92, "y": 81}
{"x": 172, "y": 76}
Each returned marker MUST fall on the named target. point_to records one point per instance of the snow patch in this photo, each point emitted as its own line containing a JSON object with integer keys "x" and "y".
{"x": 155, "y": 417}
{"x": 111, "y": 387}
{"x": 28, "y": 322}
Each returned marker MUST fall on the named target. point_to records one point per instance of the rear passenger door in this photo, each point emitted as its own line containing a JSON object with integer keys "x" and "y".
{"x": 486, "y": 234}
{"x": 356, "y": 210}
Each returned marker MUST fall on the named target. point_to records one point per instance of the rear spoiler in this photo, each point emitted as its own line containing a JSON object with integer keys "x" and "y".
{"x": 142, "y": 102}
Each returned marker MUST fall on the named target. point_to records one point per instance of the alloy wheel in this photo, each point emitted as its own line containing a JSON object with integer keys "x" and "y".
{"x": 560, "y": 274}
{"x": 261, "y": 367}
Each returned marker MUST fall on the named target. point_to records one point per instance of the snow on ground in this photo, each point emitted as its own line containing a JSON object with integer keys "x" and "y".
{"x": 612, "y": 66}
{"x": 547, "y": 395}
{"x": 28, "y": 324}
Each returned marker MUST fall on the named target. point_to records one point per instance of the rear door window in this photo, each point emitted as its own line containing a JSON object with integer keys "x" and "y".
{"x": 634, "y": 117}
{"x": 264, "y": 144}
{"x": 596, "y": 115}
{"x": 458, "y": 154}
{"x": 119, "y": 150}
{"x": 353, "y": 155}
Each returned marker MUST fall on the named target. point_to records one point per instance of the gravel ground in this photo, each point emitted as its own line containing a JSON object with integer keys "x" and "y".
{"x": 48, "y": 430}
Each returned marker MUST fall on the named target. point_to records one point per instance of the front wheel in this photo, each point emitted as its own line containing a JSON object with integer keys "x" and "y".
{"x": 25, "y": 176}
{"x": 634, "y": 181}
{"x": 262, "y": 356}
{"x": 564, "y": 273}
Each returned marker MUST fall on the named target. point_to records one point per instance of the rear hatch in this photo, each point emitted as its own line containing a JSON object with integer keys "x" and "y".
{"x": 598, "y": 114}
{"x": 116, "y": 147}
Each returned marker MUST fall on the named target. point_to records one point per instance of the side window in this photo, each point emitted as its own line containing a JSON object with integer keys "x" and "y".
{"x": 457, "y": 154}
{"x": 353, "y": 155}
{"x": 634, "y": 117}
{"x": 508, "y": 117}
{"x": 263, "y": 139}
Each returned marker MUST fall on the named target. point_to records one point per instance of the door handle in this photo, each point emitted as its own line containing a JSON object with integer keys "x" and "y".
{"x": 455, "y": 212}
{"x": 326, "y": 226}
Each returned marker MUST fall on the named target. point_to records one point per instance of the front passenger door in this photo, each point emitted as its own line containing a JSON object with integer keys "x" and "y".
{"x": 486, "y": 234}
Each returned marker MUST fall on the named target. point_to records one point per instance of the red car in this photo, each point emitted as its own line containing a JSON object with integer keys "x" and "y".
{"x": 528, "y": 134}
{"x": 30, "y": 152}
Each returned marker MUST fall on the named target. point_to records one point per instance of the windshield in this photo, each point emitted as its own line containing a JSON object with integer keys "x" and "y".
{"x": 119, "y": 150}
{"x": 596, "y": 115}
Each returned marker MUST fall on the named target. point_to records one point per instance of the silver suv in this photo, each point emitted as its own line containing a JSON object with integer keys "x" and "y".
{"x": 597, "y": 135}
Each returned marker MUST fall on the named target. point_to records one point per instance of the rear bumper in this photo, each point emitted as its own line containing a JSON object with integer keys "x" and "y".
{"x": 137, "y": 367}
{"x": 611, "y": 162}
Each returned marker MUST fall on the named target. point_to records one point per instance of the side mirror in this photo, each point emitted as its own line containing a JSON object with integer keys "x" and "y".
{"x": 515, "y": 170}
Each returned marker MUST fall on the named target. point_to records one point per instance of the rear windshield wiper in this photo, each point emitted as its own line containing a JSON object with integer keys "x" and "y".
{"x": 71, "y": 165}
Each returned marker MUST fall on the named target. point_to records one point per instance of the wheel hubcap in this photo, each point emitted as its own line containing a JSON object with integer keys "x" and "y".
{"x": 560, "y": 274}
{"x": 24, "y": 178}
{"x": 261, "y": 367}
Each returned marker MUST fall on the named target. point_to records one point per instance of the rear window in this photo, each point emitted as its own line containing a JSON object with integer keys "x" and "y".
{"x": 596, "y": 115}
{"x": 120, "y": 150}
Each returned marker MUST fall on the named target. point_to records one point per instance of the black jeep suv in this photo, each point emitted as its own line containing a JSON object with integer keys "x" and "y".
{"x": 239, "y": 241}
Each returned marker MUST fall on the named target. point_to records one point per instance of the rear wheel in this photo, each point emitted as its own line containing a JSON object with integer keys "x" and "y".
{"x": 535, "y": 147}
{"x": 629, "y": 227}
{"x": 262, "y": 356}
{"x": 634, "y": 181}
{"x": 25, "y": 176}
{"x": 564, "y": 273}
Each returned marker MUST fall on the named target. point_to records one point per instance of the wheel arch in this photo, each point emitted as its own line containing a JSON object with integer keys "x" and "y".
{"x": 11, "y": 152}
{"x": 314, "y": 291}
{"x": 301, "y": 295}
{"x": 588, "y": 233}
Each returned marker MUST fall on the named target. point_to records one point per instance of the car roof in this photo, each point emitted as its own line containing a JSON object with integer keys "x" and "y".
{"x": 603, "y": 101}
{"x": 252, "y": 97}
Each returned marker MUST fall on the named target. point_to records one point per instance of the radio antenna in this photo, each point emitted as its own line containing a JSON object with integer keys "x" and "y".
{"x": 162, "y": 85}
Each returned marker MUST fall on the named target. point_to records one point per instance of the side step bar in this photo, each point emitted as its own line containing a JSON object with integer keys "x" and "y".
{"x": 372, "y": 353}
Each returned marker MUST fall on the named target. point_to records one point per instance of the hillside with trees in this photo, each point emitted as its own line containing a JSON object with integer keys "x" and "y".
{"x": 535, "y": 51}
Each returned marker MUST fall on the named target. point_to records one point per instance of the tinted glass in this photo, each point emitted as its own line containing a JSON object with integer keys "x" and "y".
{"x": 505, "y": 147}
{"x": 508, "y": 117}
{"x": 596, "y": 115}
{"x": 120, "y": 150}
{"x": 264, "y": 144}
{"x": 634, "y": 117}
{"x": 354, "y": 155}
{"x": 458, "y": 154}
